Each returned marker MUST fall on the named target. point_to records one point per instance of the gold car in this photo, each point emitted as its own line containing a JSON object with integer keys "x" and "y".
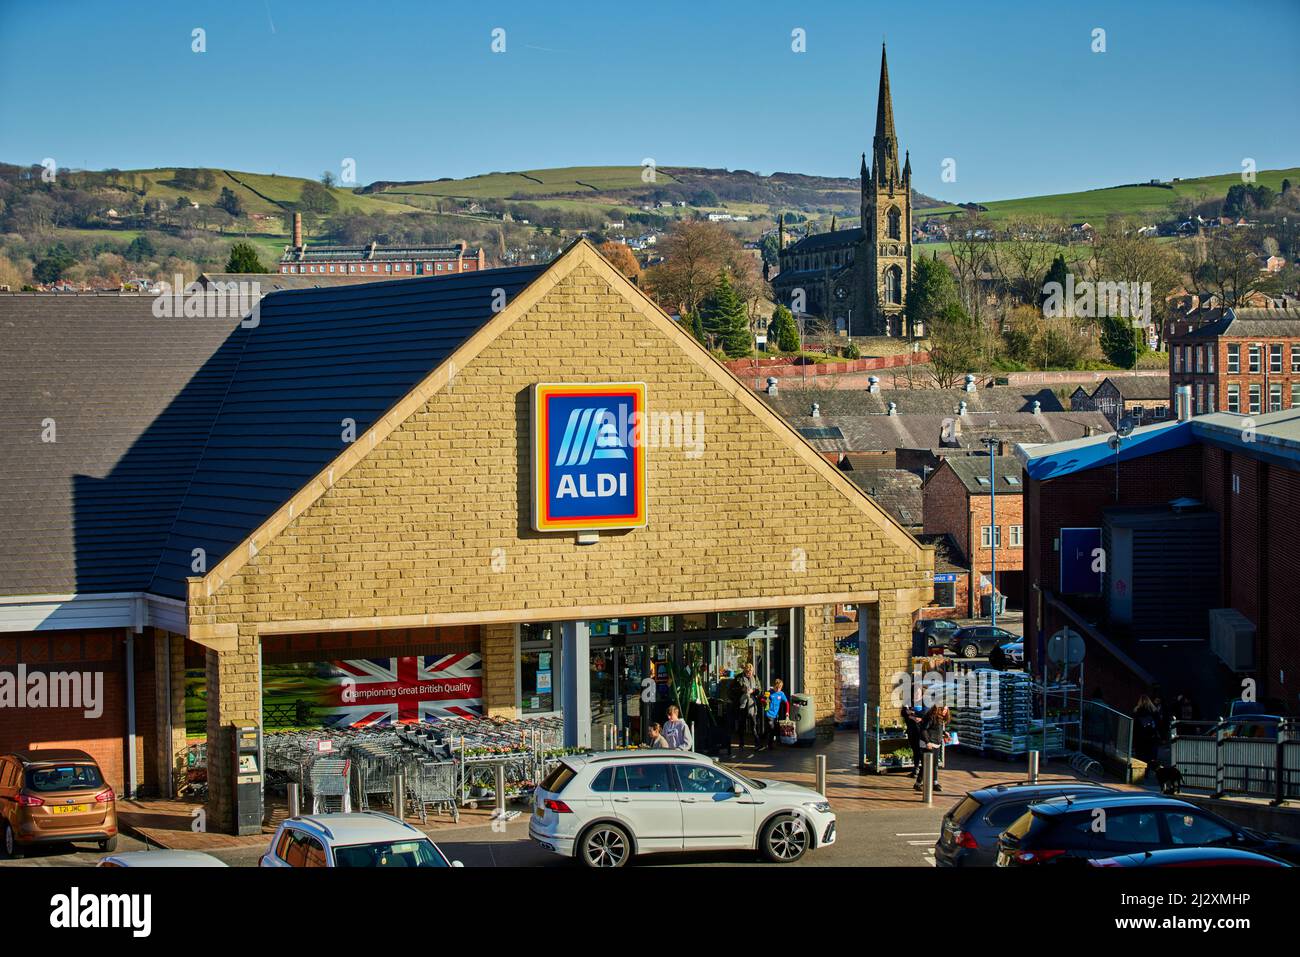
{"x": 54, "y": 796}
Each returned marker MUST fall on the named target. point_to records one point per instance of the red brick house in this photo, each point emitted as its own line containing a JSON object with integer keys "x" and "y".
{"x": 1246, "y": 361}
{"x": 959, "y": 497}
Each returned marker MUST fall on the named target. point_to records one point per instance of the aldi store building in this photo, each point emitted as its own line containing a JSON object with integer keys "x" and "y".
{"x": 515, "y": 491}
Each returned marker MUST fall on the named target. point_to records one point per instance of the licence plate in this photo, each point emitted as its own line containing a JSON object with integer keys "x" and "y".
{"x": 68, "y": 808}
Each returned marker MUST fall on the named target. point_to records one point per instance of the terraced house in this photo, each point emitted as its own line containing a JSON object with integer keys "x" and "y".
{"x": 466, "y": 480}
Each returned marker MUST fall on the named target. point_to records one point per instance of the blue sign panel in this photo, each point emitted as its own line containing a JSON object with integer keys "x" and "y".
{"x": 589, "y": 464}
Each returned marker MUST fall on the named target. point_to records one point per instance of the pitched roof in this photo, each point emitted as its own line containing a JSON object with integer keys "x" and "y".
{"x": 973, "y": 471}
{"x": 272, "y": 281}
{"x": 319, "y": 360}
{"x": 177, "y": 434}
{"x": 1140, "y": 387}
{"x": 131, "y": 398}
{"x": 1249, "y": 322}
{"x": 827, "y": 240}
{"x": 897, "y": 490}
{"x": 791, "y": 399}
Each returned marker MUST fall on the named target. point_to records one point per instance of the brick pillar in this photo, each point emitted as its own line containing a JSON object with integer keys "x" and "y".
{"x": 818, "y": 664}
{"x": 890, "y": 647}
{"x": 233, "y": 683}
{"x": 500, "y": 671}
{"x": 169, "y": 705}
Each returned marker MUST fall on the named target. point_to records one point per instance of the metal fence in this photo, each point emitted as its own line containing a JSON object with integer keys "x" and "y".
{"x": 1107, "y": 734}
{"x": 1224, "y": 758}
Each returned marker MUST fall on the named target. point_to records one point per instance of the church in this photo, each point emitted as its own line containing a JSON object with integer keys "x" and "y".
{"x": 858, "y": 278}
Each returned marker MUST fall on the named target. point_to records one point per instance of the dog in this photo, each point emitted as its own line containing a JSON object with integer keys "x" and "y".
{"x": 1169, "y": 778}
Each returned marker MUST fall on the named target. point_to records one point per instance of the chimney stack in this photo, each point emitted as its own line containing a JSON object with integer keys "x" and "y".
{"x": 297, "y": 230}
{"x": 816, "y": 411}
{"x": 873, "y": 383}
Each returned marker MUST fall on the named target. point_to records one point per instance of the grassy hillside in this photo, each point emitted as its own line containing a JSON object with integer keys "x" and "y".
{"x": 1145, "y": 202}
{"x": 534, "y": 183}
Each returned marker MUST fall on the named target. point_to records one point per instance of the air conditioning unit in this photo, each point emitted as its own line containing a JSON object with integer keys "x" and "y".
{"x": 1232, "y": 639}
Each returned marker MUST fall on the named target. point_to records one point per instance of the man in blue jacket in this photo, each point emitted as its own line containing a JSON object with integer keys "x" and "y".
{"x": 777, "y": 707}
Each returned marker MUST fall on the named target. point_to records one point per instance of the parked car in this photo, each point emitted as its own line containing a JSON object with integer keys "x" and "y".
{"x": 365, "y": 839}
{"x": 1193, "y": 857}
{"x": 54, "y": 796}
{"x": 1064, "y": 830}
{"x": 980, "y": 640}
{"x": 161, "y": 858}
{"x": 968, "y": 836}
{"x": 1010, "y": 655}
{"x": 935, "y": 632}
{"x": 605, "y": 808}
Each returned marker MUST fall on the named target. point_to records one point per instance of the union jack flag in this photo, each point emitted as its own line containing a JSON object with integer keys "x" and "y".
{"x": 381, "y": 691}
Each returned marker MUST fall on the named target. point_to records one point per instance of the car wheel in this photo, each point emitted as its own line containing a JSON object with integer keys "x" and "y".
{"x": 109, "y": 846}
{"x": 970, "y": 650}
{"x": 785, "y": 839}
{"x": 605, "y": 845}
{"x": 12, "y": 849}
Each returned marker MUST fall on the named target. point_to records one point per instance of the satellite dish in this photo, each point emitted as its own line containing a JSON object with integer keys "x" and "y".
{"x": 1066, "y": 647}
{"x": 1125, "y": 428}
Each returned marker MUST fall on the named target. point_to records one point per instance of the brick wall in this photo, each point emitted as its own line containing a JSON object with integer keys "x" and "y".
{"x": 435, "y": 518}
{"x": 949, "y": 507}
{"x": 500, "y": 671}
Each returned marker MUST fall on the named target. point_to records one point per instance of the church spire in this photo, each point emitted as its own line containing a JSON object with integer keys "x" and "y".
{"x": 884, "y": 149}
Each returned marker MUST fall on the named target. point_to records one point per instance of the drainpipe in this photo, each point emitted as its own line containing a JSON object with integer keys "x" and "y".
{"x": 130, "y": 713}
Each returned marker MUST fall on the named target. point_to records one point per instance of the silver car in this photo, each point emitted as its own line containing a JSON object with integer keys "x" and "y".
{"x": 367, "y": 839}
{"x": 607, "y": 807}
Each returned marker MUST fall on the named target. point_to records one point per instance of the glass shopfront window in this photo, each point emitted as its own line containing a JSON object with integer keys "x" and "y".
{"x": 537, "y": 672}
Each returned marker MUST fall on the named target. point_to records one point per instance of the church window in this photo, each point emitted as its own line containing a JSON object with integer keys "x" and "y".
{"x": 894, "y": 286}
{"x": 895, "y": 223}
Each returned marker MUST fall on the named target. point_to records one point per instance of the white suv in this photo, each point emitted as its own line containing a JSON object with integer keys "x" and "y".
{"x": 605, "y": 807}
{"x": 368, "y": 839}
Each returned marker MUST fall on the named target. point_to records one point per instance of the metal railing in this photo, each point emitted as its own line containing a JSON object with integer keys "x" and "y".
{"x": 1224, "y": 758}
{"x": 1107, "y": 734}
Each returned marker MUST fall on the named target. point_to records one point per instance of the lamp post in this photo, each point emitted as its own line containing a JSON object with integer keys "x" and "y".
{"x": 992, "y": 444}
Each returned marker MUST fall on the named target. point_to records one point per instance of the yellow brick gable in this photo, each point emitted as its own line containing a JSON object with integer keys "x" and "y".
{"x": 430, "y": 523}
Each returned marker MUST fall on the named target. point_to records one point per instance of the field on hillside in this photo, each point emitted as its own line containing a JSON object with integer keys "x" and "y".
{"x": 1140, "y": 201}
{"x": 541, "y": 182}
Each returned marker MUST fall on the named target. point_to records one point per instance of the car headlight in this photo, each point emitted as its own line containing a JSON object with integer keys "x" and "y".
{"x": 823, "y": 807}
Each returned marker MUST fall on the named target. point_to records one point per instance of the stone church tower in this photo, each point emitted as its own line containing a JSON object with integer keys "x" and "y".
{"x": 886, "y": 220}
{"x": 858, "y": 279}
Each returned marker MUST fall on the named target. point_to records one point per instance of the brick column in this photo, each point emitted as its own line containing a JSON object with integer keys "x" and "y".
{"x": 169, "y": 705}
{"x": 818, "y": 664}
{"x": 500, "y": 671}
{"x": 233, "y": 688}
{"x": 890, "y": 646}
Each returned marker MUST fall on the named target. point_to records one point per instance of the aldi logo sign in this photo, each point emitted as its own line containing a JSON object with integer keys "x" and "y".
{"x": 589, "y": 465}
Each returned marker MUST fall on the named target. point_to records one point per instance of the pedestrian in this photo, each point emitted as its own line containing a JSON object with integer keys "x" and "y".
{"x": 778, "y": 706}
{"x": 912, "y": 715}
{"x": 1146, "y": 729}
{"x": 676, "y": 731}
{"x": 657, "y": 739}
{"x": 745, "y": 695}
{"x": 933, "y": 736}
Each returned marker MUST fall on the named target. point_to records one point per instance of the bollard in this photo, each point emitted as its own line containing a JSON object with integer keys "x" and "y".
{"x": 399, "y": 796}
{"x": 821, "y": 774}
{"x": 501, "y": 791}
{"x": 927, "y": 770}
{"x": 1033, "y": 767}
{"x": 692, "y": 735}
{"x": 295, "y": 799}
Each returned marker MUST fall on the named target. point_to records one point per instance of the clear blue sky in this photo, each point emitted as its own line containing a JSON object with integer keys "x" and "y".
{"x": 412, "y": 90}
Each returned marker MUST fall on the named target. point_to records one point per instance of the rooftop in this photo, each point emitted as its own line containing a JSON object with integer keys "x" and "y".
{"x": 1249, "y": 322}
{"x": 973, "y": 471}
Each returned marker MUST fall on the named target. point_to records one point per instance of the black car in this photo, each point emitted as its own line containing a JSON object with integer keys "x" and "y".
{"x": 932, "y": 633}
{"x": 1067, "y": 831}
{"x": 979, "y": 640}
{"x": 969, "y": 834}
{"x": 1193, "y": 857}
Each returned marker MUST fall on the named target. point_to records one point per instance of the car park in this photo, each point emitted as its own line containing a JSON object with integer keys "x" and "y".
{"x": 605, "y": 808}
{"x": 162, "y": 857}
{"x": 929, "y": 634}
{"x": 364, "y": 839}
{"x": 53, "y": 797}
{"x": 968, "y": 836}
{"x": 979, "y": 640}
{"x": 1193, "y": 857}
{"x": 1069, "y": 831}
{"x": 1010, "y": 655}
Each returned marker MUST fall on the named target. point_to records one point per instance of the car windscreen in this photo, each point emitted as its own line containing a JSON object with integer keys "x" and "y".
{"x": 756, "y": 785}
{"x": 559, "y": 777}
{"x": 64, "y": 777}
{"x": 418, "y": 853}
{"x": 1020, "y": 827}
{"x": 965, "y": 808}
